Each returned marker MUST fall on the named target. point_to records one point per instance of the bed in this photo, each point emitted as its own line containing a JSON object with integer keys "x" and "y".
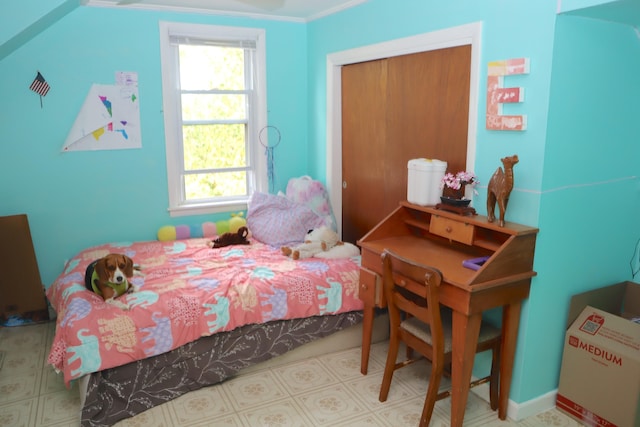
{"x": 200, "y": 316}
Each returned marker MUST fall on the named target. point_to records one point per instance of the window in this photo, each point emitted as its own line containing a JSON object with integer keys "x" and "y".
{"x": 214, "y": 100}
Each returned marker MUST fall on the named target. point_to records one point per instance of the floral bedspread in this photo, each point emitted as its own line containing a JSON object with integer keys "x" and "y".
{"x": 188, "y": 290}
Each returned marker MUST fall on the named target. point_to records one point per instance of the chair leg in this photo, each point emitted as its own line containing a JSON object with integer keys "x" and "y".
{"x": 390, "y": 365}
{"x": 408, "y": 350}
{"x": 409, "y": 353}
{"x": 494, "y": 381}
{"x": 432, "y": 394}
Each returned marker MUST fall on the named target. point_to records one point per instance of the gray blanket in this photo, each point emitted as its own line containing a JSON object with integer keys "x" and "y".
{"x": 124, "y": 391}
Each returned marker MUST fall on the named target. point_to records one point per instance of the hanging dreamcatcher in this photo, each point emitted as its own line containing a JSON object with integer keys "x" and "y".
{"x": 270, "y": 137}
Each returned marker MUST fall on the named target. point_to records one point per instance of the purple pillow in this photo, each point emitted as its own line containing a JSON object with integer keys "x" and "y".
{"x": 278, "y": 221}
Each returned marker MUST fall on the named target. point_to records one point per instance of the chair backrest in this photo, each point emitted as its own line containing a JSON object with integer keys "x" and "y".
{"x": 413, "y": 288}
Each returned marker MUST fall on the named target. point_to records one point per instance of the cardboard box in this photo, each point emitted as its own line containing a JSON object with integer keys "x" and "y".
{"x": 600, "y": 373}
{"x": 21, "y": 290}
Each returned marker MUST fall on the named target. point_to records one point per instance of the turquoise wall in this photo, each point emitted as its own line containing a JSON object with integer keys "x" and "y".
{"x": 576, "y": 179}
{"x": 24, "y": 20}
{"x": 590, "y": 199}
{"x": 77, "y": 199}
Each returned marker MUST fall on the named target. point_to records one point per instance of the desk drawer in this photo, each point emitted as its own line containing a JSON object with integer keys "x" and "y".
{"x": 370, "y": 291}
{"x": 454, "y": 230}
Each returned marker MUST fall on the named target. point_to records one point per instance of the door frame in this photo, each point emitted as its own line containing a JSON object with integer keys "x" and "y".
{"x": 468, "y": 34}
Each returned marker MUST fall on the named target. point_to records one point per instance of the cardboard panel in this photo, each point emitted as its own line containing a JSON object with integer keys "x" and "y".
{"x": 21, "y": 286}
{"x": 608, "y": 298}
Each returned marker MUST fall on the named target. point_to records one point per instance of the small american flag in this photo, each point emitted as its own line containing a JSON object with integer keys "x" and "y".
{"x": 39, "y": 85}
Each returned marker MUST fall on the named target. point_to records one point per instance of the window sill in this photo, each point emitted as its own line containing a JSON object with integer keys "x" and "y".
{"x": 203, "y": 209}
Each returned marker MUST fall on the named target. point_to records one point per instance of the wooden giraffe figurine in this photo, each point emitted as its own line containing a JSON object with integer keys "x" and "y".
{"x": 499, "y": 188}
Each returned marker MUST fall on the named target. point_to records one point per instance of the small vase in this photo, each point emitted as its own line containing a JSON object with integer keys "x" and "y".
{"x": 451, "y": 193}
{"x": 455, "y": 202}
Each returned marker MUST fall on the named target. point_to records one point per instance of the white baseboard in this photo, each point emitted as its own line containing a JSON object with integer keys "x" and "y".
{"x": 538, "y": 405}
{"x": 520, "y": 411}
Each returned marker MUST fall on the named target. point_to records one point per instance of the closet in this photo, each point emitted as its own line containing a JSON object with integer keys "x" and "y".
{"x": 394, "y": 110}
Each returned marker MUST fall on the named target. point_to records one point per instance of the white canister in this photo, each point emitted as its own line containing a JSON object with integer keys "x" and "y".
{"x": 423, "y": 182}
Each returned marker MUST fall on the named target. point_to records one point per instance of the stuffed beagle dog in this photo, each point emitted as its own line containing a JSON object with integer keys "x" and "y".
{"x": 109, "y": 277}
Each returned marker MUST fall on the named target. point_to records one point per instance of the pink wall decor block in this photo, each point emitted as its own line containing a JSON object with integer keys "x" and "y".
{"x": 497, "y": 94}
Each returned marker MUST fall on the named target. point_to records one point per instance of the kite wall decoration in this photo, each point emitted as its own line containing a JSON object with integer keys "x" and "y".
{"x": 109, "y": 118}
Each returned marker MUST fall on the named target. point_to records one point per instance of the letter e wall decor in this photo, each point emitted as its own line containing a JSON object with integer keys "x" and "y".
{"x": 497, "y": 94}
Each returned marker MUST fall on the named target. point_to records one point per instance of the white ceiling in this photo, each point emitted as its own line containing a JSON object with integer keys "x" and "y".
{"x": 304, "y": 10}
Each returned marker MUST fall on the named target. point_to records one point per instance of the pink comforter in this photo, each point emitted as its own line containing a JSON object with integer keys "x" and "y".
{"x": 188, "y": 290}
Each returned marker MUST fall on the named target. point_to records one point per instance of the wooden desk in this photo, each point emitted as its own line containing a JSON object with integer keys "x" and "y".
{"x": 444, "y": 240}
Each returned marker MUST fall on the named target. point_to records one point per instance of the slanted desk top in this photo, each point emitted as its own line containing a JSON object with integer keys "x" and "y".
{"x": 444, "y": 240}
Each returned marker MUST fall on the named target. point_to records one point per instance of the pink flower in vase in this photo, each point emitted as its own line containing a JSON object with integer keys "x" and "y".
{"x": 459, "y": 181}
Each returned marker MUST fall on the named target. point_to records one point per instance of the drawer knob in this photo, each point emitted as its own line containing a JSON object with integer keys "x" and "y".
{"x": 448, "y": 229}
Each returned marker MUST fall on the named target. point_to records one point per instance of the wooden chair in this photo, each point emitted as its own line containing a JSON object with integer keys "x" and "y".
{"x": 417, "y": 319}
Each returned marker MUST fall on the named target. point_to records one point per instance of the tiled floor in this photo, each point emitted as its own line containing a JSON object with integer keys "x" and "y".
{"x": 322, "y": 391}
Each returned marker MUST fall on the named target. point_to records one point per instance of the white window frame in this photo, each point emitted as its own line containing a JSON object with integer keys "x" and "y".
{"x": 172, "y": 123}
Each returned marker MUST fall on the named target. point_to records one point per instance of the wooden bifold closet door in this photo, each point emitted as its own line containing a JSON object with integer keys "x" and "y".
{"x": 394, "y": 110}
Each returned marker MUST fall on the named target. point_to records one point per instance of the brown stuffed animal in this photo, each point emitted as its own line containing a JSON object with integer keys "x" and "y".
{"x": 228, "y": 239}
